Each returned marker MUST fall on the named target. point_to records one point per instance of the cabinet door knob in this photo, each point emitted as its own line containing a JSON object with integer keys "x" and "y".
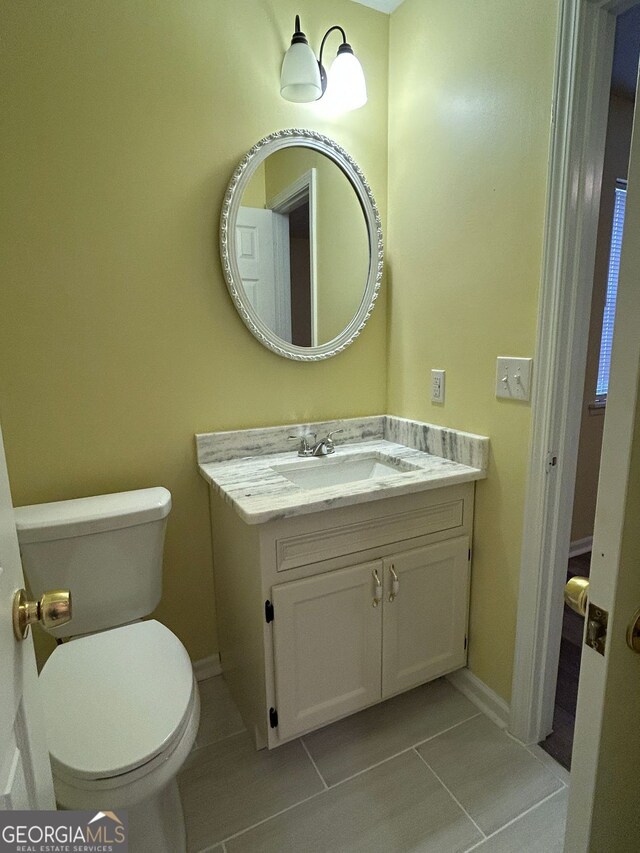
{"x": 377, "y": 595}
{"x": 395, "y": 584}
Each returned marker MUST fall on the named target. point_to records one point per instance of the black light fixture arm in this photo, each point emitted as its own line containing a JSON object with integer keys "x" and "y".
{"x": 298, "y": 35}
{"x": 345, "y": 46}
{"x": 324, "y": 38}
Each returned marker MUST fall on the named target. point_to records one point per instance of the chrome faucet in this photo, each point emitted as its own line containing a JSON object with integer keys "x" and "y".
{"x": 305, "y": 448}
{"x": 325, "y": 446}
{"x": 315, "y": 448}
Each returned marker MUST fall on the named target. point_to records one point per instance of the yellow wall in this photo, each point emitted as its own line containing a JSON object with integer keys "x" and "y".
{"x": 121, "y": 125}
{"x": 254, "y": 194}
{"x": 470, "y": 93}
{"x": 616, "y": 161}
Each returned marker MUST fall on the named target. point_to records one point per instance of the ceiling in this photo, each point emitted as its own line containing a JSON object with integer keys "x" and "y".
{"x": 380, "y": 5}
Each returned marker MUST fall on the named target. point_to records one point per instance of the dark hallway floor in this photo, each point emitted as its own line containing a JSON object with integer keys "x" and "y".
{"x": 560, "y": 742}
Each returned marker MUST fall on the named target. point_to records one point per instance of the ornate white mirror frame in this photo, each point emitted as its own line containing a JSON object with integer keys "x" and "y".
{"x": 232, "y": 200}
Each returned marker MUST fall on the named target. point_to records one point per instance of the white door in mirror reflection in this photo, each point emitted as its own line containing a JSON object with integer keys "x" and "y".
{"x": 275, "y": 253}
{"x": 262, "y": 240}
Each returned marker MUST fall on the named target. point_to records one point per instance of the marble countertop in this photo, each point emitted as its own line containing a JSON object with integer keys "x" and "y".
{"x": 239, "y": 465}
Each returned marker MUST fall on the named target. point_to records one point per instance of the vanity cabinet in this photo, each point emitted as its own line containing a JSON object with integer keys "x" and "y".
{"x": 348, "y": 638}
{"x": 321, "y": 615}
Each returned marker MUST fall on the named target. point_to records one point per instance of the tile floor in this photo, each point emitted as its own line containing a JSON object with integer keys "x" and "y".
{"x": 423, "y": 772}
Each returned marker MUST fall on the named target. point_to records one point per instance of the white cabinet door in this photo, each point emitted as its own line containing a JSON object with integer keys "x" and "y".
{"x": 424, "y": 625}
{"x": 327, "y": 646}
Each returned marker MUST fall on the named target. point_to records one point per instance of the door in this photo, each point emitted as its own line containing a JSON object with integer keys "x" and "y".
{"x": 604, "y": 804}
{"x": 327, "y": 646}
{"x": 25, "y": 774}
{"x": 425, "y": 621}
{"x": 262, "y": 238}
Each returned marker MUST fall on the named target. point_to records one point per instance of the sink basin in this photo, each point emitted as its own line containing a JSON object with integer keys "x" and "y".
{"x": 317, "y": 473}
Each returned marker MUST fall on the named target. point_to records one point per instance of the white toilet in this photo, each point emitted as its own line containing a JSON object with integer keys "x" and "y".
{"x": 121, "y": 702}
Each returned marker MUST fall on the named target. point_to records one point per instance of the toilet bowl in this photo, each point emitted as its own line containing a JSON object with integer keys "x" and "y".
{"x": 121, "y": 705}
{"x": 121, "y": 715}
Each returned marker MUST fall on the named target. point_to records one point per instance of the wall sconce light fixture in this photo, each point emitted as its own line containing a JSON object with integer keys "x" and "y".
{"x": 304, "y": 79}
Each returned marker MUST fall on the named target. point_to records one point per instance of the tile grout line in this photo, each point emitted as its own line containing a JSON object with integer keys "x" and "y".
{"x": 398, "y": 754}
{"x": 544, "y": 764}
{"x": 445, "y": 731}
{"x": 451, "y": 794}
{"x": 270, "y": 817}
{"x": 317, "y": 794}
{"x": 197, "y": 746}
{"x": 213, "y": 847}
{"x": 322, "y": 779}
{"x": 342, "y": 781}
{"x": 221, "y": 846}
{"x": 328, "y": 787}
{"x": 515, "y": 819}
{"x": 371, "y": 767}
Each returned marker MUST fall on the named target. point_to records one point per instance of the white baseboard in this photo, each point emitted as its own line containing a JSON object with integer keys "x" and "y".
{"x": 482, "y": 696}
{"x": 207, "y": 667}
{"x": 581, "y": 546}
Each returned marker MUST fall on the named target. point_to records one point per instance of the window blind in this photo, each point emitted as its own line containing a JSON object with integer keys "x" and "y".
{"x": 606, "y": 341}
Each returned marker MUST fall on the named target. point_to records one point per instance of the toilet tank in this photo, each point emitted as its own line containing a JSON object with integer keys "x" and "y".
{"x": 106, "y": 549}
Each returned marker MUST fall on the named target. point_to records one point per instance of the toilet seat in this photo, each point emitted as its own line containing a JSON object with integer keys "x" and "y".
{"x": 117, "y": 704}
{"x": 143, "y": 784}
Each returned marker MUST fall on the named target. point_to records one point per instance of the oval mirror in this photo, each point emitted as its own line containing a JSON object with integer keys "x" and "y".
{"x": 301, "y": 245}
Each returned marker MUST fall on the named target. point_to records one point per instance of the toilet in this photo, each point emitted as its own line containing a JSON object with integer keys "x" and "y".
{"x": 120, "y": 699}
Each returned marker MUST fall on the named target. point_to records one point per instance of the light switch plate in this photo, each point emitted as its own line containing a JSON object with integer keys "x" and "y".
{"x": 513, "y": 378}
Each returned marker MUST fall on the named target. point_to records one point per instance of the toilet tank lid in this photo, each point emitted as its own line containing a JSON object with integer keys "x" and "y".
{"x": 82, "y": 516}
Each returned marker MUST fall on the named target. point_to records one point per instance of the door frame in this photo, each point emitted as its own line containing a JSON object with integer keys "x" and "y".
{"x": 584, "y": 55}
{"x": 304, "y": 188}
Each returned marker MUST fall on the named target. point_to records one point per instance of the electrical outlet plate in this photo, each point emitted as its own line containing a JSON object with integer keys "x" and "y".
{"x": 513, "y": 378}
{"x": 437, "y": 386}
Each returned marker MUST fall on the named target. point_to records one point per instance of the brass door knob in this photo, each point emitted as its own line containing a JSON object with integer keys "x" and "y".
{"x": 53, "y": 609}
{"x": 576, "y": 593}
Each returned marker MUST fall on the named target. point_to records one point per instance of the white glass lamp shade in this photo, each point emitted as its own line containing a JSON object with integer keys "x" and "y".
{"x": 346, "y": 86}
{"x": 300, "y": 75}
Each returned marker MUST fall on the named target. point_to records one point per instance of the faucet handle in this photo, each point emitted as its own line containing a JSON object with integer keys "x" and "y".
{"x": 329, "y": 439}
{"x": 305, "y": 448}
